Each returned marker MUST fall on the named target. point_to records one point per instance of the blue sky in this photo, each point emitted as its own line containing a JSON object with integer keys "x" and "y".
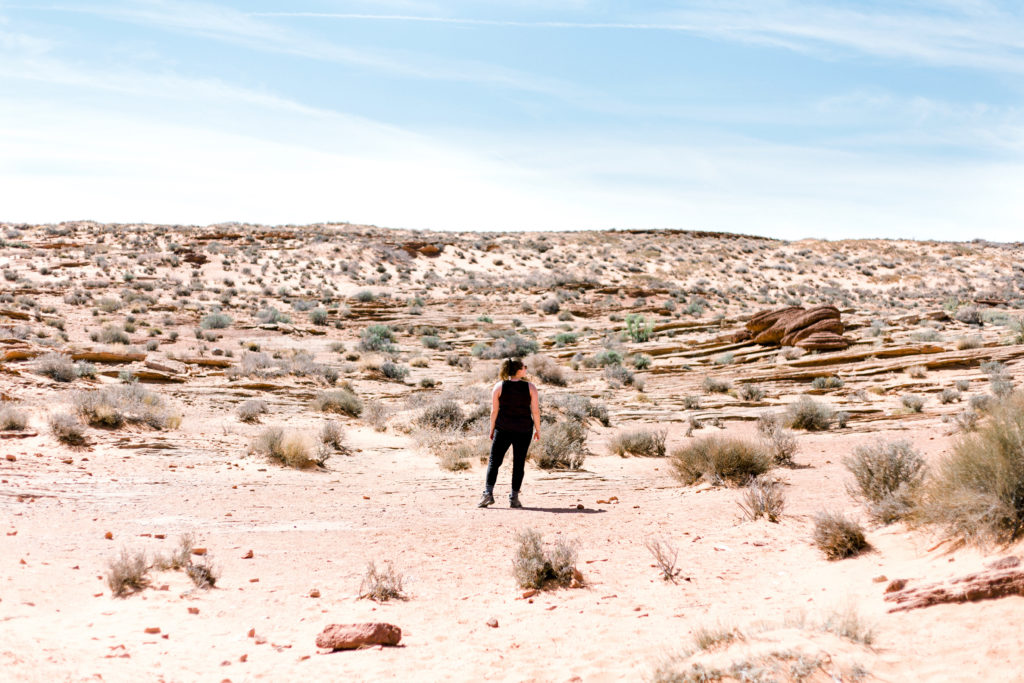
{"x": 772, "y": 117}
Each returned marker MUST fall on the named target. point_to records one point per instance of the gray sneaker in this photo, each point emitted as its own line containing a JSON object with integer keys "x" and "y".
{"x": 513, "y": 501}
{"x": 485, "y": 500}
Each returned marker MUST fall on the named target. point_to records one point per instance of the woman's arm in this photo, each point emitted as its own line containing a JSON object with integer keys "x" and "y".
{"x": 535, "y": 409}
{"x": 495, "y": 395}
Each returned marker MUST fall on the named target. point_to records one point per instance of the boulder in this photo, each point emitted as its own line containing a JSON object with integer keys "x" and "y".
{"x": 824, "y": 341}
{"x": 809, "y": 317}
{"x": 352, "y": 636}
{"x": 775, "y": 333}
{"x": 827, "y": 325}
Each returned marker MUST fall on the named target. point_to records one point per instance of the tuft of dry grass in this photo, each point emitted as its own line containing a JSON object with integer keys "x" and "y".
{"x": 343, "y": 401}
{"x": 381, "y": 585}
{"x": 127, "y": 573}
{"x": 442, "y": 415}
{"x": 66, "y": 428}
{"x": 250, "y": 410}
{"x": 533, "y": 566}
{"x": 806, "y": 413}
{"x": 562, "y": 446}
{"x": 764, "y": 497}
{"x": 838, "y": 536}
{"x": 57, "y": 367}
{"x": 125, "y": 403}
{"x": 12, "y": 419}
{"x": 665, "y": 555}
{"x": 546, "y": 370}
{"x": 641, "y": 442}
{"x": 720, "y": 459}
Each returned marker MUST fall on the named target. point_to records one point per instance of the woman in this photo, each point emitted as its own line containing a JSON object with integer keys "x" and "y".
{"x": 515, "y": 413}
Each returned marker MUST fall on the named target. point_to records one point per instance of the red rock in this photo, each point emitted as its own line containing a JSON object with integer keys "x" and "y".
{"x": 530, "y": 593}
{"x": 765, "y": 319}
{"x": 824, "y": 341}
{"x": 828, "y": 325}
{"x": 11, "y": 458}
{"x": 809, "y": 317}
{"x": 247, "y": 556}
{"x": 193, "y": 610}
{"x": 352, "y": 636}
{"x": 777, "y": 331}
{"x": 492, "y": 622}
{"x": 153, "y": 629}
{"x": 198, "y": 551}
{"x": 109, "y": 535}
{"x": 315, "y": 593}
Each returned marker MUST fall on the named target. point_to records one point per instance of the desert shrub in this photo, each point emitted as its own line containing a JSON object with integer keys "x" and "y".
{"x": 831, "y": 382}
{"x": 546, "y": 370}
{"x": 455, "y": 457}
{"x": 202, "y": 574}
{"x": 808, "y": 414}
{"x": 250, "y": 410}
{"x": 442, "y": 415}
{"x": 1001, "y": 384}
{"x": 949, "y": 395}
{"x": 976, "y": 492}
{"x": 109, "y": 304}
{"x": 271, "y": 315}
{"x": 113, "y": 334}
{"x": 638, "y": 329}
{"x": 215, "y": 321}
{"x": 887, "y": 477}
{"x": 972, "y": 341}
{"x": 507, "y": 345}
{"x": 535, "y": 567}
{"x": 377, "y": 414}
{"x": 86, "y": 370}
{"x": 343, "y": 401}
{"x": 131, "y": 403}
{"x": 580, "y": 408}
{"x": 268, "y": 442}
{"x": 564, "y": 338}
{"x": 618, "y": 375}
{"x": 846, "y": 622}
{"x": 641, "y": 442}
{"x": 750, "y": 392}
{"x": 838, "y": 536}
{"x": 431, "y": 341}
{"x": 66, "y": 428}
{"x": 394, "y": 371}
{"x": 691, "y": 402}
{"x": 381, "y": 585}
{"x": 12, "y": 419}
{"x": 926, "y": 335}
{"x": 332, "y": 435}
{"x": 549, "y": 305}
{"x": 290, "y": 448}
{"x": 665, "y": 557}
{"x": 57, "y": 367}
{"x": 917, "y": 372}
{"x": 968, "y": 314}
{"x": 713, "y": 385}
{"x": 365, "y": 296}
{"x": 764, "y": 497}
{"x": 912, "y": 402}
{"x": 727, "y": 358}
{"x": 641, "y": 361}
{"x": 962, "y": 384}
{"x": 127, "y": 573}
{"x": 377, "y": 338}
{"x": 778, "y": 441}
{"x": 561, "y": 446}
{"x": 603, "y": 359}
{"x": 318, "y": 316}
{"x": 720, "y": 459}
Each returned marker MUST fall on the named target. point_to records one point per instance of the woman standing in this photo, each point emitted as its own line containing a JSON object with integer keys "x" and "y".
{"x": 515, "y": 414}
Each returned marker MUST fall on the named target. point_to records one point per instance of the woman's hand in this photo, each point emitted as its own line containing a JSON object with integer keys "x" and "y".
{"x": 536, "y": 435}
{"x": 491, "y": 437}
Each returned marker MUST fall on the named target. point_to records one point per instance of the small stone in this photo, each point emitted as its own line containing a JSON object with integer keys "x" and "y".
{"x": 10, "y": 458}
{"x": 530, "y": 593}
{"x": 492, "y": 622}
{"x": 160, "y": 536}
{"x": 315, "y": 593}
{"x": 109, "y": 535}
{"x": 579, "y": 506}
{"x": 247, "y": 556}
{"x": 881, "y": 578}
{"x": 193, "y": 610}
{"x": 198, "y": 551}
{"x": 243, "y": 659}
{"x": 251, "y": 633}
{"x": 896, "y": 585}
{"x": 153, "y": 629}
{"x": 352, "y": 636}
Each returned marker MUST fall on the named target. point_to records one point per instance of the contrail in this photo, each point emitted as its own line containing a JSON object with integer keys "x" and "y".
{"x": 480, "y": 22}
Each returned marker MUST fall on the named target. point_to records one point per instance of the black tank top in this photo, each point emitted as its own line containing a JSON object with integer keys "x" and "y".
{"x": 514, "y": 407}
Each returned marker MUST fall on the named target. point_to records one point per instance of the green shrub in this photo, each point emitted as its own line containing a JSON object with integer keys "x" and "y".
{"x": 215, "y": 321}
{"x": 641, "y": 361}
{"x": 837, "y": 536}
{"x": 887, "y": 477}
{"x": 394, "y": 371}
{"x": 976, "y": 492}
{"x": 641, "y": 442}
{"x": 638, "y": 328}
{"x": 565, "y": 338}
{"x": 535, "y": 567}
{"x": 377, "y": 338}
{"x": 507, "y": 345}
{"x": 343, "y": 401}
{"x": 806, "y": 413}
{"x": 720, "y": 459}
{"x": 318, "y": 316}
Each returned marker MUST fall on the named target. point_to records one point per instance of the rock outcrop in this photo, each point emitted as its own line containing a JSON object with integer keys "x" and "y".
{"x": 814, "y": 329}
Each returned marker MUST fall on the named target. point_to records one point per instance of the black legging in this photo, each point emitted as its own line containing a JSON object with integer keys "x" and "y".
{"x": 520, "y": 442}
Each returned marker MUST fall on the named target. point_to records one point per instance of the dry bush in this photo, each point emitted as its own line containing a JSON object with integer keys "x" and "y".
{"x": 713, "y": 385}
{"x": 779, "y": 441}
{"x": 332, "y": 435}
{"x": 949, "y": 395}
{"x": 127, "y": 573}
{"x": 456, "y": 457}
{"x": 912, "y": 402}
{"x": 125, "y": 403}
{"x": 382, "y": 585}
{"x": 917, "y": 372}
{"x": 975, "y": 494}
{"x": 12, "y": 419}
{"x": 806, "y": 413}
{"x": 665, "y": 557}
{"x": 57, "y": 367}
{"x": 442, "y": 415}
{"x": 377, "y": 414}
{"x": 180, "y": 557}
{"x": 251, "y": 410}
{"x": 709, "y": 637}
{"x": 535, "y": 567}
{"x": 887, "y": 477}
{"x": 546, "y": 370}
{"x": 561, "y": 446}
{"x": 580, "y": 408}
{"x": 720, "y": 459}
{"x": 343, "y": 401}
{"x": 750, "y": 392}
{"x": 838, "y": 536}
{"x": 66, "y": 428}
{"x": 846, "y": 622}
{"x": 764, "y": 497}
{"x": 112, "y": 334}
{"x": 640, "y": 442}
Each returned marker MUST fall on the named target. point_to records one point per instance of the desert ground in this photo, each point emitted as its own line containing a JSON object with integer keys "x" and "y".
{"x": 271, "y": 410}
